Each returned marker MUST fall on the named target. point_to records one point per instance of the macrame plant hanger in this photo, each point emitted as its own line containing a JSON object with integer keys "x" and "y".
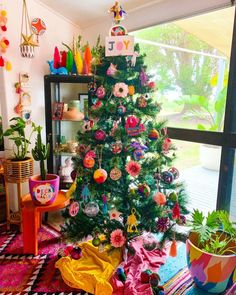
{"x": 27, "y": 37}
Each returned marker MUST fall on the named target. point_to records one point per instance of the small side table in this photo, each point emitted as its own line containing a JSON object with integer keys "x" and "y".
{"x": 31, "y": 219}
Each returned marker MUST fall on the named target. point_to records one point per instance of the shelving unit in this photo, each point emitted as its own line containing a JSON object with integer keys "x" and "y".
{"x": 62, "y": 89}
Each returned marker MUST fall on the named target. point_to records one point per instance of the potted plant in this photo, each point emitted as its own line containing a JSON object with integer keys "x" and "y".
{"x": 44, "y": 187}
{"x": 211, "y": 251}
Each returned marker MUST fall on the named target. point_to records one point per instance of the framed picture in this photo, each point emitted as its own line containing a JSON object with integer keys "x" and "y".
{"x": 84, "y": 104}
{"x": 57, "y": 110}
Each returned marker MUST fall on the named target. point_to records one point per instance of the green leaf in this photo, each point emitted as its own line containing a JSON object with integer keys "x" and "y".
{"x": 212, "y": 219}
{"x": 197, "y": 217}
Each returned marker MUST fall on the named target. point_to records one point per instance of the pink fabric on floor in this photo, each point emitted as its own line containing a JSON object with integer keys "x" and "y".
{"x": 133, "y": 266}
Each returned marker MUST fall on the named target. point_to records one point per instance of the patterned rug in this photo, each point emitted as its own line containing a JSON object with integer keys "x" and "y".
{"x": 28, "y": 274}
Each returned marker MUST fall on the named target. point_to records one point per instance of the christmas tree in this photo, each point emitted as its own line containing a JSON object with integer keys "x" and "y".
{"x": 125, "y": 182}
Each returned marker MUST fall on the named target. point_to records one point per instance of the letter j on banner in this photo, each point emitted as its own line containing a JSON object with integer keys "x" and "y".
{"x": 119, "y": 45}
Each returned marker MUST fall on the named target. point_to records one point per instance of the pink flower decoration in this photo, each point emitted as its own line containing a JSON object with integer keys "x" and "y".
{"x": 117, "y": 238}
{"x": 166, "y": 145}
{"x": 121, "y": 90}
{"x": 133, "y": 168}
{"x": 100, "y": 135}
{"x": 100, "y": 92}
{"x": 131, "y": 122}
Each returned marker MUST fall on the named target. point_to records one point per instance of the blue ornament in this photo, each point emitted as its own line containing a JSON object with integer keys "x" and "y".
{"x": 85, "y": 193}
{"x": 138, "y": 154}
{"x": 167, "y": 177}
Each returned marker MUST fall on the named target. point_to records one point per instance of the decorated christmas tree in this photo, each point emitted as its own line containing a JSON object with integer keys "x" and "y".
{"x": 125, "y": 182}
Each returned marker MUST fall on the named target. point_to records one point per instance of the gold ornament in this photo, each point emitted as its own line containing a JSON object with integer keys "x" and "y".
{"x": 28, "y": 40}
{"x": 115, "y": 174}
{"x": 132, "y": 222}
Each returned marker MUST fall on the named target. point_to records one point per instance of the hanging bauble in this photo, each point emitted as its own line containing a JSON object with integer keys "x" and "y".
{"x": 154, "y": 280}
{"x": 74, "y": 208}
{"x": 145, "y": 276}
{"x": 159, "y": 198}
{"x": 142, "y": 102}
{"x": 176, "y": 211}
{"x": 100, "y": 92}
{"x": 115, "y": 174}
{"x": 88, "y": 162}
{"x": 163, "y": 224}
{"x": 131, "y": 90}
{"x": 132, "y": 222}
{"x": 96, "y": 241}
{"x": 181, "y": 220}
{"x": 138, "y": 154}
{"x": 112, "y": 70}
{"x": 116, "y": 147}
{"x": 85, "y": 193}
{"x": 38, "y": 27}
{"x": 76, "y": 253}
{"x": 91, "y": 209}
{"x": 144, "y": 190}
{"x": 100, "y": 135}
{"x": 121, "y": 110}
{"x": 153, "y": 134}
{"x": 166, "y": 145}
{"x": 174, "y": 171}
{"x": 172, "y": 196}
{"x": 167, "y": 177}
{"x": 100, "y": 175}
{"x": 149, "y": 179}
{"x": 151, "y": 85}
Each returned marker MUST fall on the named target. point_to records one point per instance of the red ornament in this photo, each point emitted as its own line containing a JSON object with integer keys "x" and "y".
{"x": 159, "y": 198}
{"x": 100, "y": 135}
{"x": 151, "y": 85}
{"x": 1, "y": 61}
{"x": 100, "y": 175}
{"x": 176, "y": 211}
{"x": 88, "y": 162}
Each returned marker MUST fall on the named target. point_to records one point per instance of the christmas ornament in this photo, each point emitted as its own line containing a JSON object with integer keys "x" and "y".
{"x": 166, "y": 145}
{"x": 96, "y": 241}
{"x": 149, "y": 179}
{"x": 116, "y": 147}
{"x": 133, "y": 127}
{"x": 151, "y": 85}
{"x": 144, "y": 190}
{"x": 132, "y": 222}
{"x": 159, "y": 198}
{"x": 74, "y": 208}
{"x": 154, "y": 280}
{"x": 143, "y": 77}
{"x": 121, "y": 110}
{"x": 133, "y": 168}
{"x": 174, "y": 171}
{"x": 118, "y": 12}
{"x": 111, "y": 71}
{"x": 76, "y": 253}
{"x": 121, "y": 274}
{"x": 163, "y": 224}
{"x": 88, "y": 162}
{"x": 100, "y": 135}
{"x": 138, "y": 154}
{"x": 118, "y": 30}
{"x": 173, "y": 196}
{"x": 85, "y": 193}
{"x": 115, "y": 174}
{"x": 100, "y": 175}
{"x": 176, "y": 211}
{"x": 181, "y": 220}
{"x": 91, "y": 209}
{"x": 97, "y": 105}
{"x": 131, "y": 90}
{"x": 38, "y": 27}
{"x": 167, "y": 177}
{"x": 104, "y": 200}
{"x": 120, "y": 90}
{"x": 114, "y": 214}
{"x": 142, "y": 102}
{"x": 71, "y": 190}
{"x": 153, "y": 134}
{"x": 117, "y": 238}
{"x": 100, "y": 92}
{"x": 173, "y": 249}
{"x": 145, "y": 276}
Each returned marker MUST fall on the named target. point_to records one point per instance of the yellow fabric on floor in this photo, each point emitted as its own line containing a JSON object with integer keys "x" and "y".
{"x": 92, "y": 271}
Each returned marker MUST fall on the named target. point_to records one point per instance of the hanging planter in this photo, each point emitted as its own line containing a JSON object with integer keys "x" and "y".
{"x": 27, "y": 37}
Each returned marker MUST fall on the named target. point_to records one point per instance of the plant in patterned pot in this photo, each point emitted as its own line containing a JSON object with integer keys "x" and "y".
{"x": 44, "y": 187}
{"x": 211, "y": 251}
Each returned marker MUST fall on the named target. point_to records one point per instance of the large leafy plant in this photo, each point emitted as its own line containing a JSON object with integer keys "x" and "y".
{"x": 216, "y": 232}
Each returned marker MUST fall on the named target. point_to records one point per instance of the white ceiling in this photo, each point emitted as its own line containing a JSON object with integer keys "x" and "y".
{"x": 89, "y": 12}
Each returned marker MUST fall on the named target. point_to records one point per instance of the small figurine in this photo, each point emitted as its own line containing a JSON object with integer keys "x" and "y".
{"x": 65, "y": 171}
{"x": 59, "y": 71}
{"x": 118, "y": 12}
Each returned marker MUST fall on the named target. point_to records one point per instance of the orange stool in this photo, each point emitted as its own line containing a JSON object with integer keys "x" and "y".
{"x": 31, "y": 219}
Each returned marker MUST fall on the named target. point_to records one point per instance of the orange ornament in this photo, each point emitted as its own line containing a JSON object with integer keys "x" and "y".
{"x": 131, "y": 90}
{"x": 88, "y": 162}
{"x": 159, "y": 198}
{"x": 100, "y": 175}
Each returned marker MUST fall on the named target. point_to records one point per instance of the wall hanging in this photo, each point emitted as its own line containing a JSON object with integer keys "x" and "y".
{"x": 4, "y": 42}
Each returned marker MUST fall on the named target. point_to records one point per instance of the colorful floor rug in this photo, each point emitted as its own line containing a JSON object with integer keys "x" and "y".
{"x": 28, "y": 274}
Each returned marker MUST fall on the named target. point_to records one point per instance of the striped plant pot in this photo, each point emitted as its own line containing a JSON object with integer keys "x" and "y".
{"x": 27, "y": 51}
{"x": 211, "y": 272}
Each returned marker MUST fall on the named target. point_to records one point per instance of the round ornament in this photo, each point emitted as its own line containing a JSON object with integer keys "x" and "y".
{"x": 74, "y": 208}
{"x": 159, "y": 198}
{"x": 138, "y": 154}
{"x": 144, "y": 190}
{"x": 115, "y": 174}
{"x": 118, "y": 30}
{"x": 173, "y": 196}
{"x": 167, "y": 177}
{"x": 121, "y": 110}
{"x": 100, "y": 135}
{"x": 131, "y": 90}
{"x": 88, "y": 162}
{"x": 91, "y": 209}
{"x": 174, "y": 171}
{"x": 153, "y": 134}
{"x": 116, "y": 147}
{"x": 100, "y": 175}
{"x": 142, "y": 102}
{"x": 163, "y": 224}
{"x": 100, "y": 92}
{"x": 76, "y": 253}
{"x": 96, "y": 241}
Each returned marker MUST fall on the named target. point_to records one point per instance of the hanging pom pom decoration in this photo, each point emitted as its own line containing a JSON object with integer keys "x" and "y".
{"x": 163, "y": 224}
{"x": 173, "y": 249}
{"x": 101, "y": 92}
{"x": 104, "y": 200}
{"x": 38, "y": 27}
{"x": 91, "y": 209}
{"x": 74, "y": 208}
{"x": 176, "y": 211}
{"x": 112, "y": 70}
{"x": 132, "y": 222}
{"x": 115, "y": 174}
{"x": 153, "y": 134}
{"x": 85, "y": 193}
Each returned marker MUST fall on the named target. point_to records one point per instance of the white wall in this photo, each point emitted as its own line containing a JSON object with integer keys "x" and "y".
{"x": 153, "y": 14}
{"x": 59, "y": 30}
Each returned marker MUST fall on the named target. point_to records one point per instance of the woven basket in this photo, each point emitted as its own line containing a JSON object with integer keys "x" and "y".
{"x": 27, "y": 51}
{"x": 18, "y": 171}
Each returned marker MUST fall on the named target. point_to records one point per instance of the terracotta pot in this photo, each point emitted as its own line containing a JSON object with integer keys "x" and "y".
{"x": 44, "y": 192}
{"x": 211, "y": 272}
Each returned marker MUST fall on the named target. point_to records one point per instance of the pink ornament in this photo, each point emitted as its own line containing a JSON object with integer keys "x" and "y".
{"x": 131, "y": 121}
{"x": 151, "y": 85}
{"x": 100, "y": 135}
{"x": 159, "y": 198}
{"x": 111, "y": 71}
{"x": 74, "y": 208}
{"x": 166, "y": 145}
{"x": 100, "y": 92}
{"x": 120, "y": 90}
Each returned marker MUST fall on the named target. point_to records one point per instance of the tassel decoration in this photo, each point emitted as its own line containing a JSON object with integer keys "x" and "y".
{"x": 104, "y": 209}
{"x": 71, "y": 190}
{"x": 173, "y": 249}
{"x": 85, "y": 194}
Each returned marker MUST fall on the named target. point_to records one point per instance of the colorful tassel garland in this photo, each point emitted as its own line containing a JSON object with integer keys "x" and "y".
{"x": 173, "y": 249}
{"x": 8, "y": 66}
